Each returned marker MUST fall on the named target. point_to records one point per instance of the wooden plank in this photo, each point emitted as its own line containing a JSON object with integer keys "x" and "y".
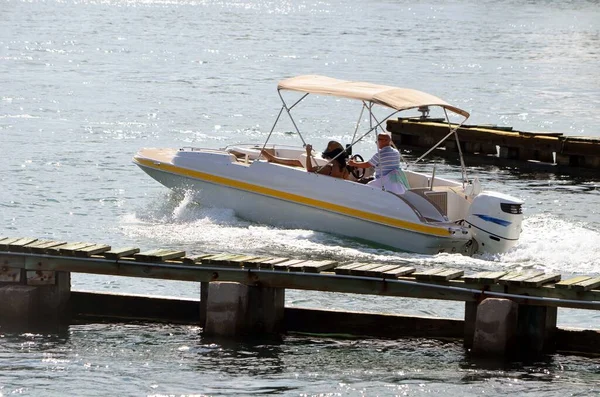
{"x": 95, "y": 249}
{"x": 345, "y": 269}
{"x": 195, "y": 259}
{"x": 399, "y": 272}
{"x": 243, "y": 260}
{"x": 215, "y": 257}
{"x": 271, "y": 262}
{"x": 257, "y": 262}
{"x": 517, "y": 278}
{"x": 233, "y": 260}
{"x": 541, "y": 280}
{"x": 224, "y": 260}
{"x": 167, "y": 254}
{"x": 448, "y": 274}
{"x": 318, "y": 266}
{"x": 6, "y": 242}
{"x": 426, "y": 274}
{"x": 587, "y": 285}
{"x": 17, "y": 246}
{"x": 484, "y": 277}
{"x": 297, "y": 267}
{"x": 378, "y": 271}
{"x": 310, "y": 266}
{"x": 158, "y": 255}
{"x": 70, "y": 249}
{"x": 120, "y": 252}
{"x": 365, "y": 268}
{"x": 284, "y": 265}
{"x": 147, "y": 255}
{"x": 44, "y": 248}
{"x": 36, "y": 243}
{"x": 566, "y": 284}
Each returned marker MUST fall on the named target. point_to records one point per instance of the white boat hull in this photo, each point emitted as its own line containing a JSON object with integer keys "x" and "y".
{"x": 281, "y": 213}
{"x": 278, "y": 195}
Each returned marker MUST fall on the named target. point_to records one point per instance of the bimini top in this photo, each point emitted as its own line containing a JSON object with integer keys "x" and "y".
{"x": 385, "y": 95}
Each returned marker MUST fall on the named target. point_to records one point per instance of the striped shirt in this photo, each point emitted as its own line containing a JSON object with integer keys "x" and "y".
{"x": 385, "y": 161}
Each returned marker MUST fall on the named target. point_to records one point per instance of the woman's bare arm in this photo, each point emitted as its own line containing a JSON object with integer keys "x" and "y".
{"x": 281, "y": 160}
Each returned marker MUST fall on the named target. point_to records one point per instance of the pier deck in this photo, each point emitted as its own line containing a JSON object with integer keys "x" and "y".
{"x": 34, "y": 262}
{"x": 548, "y": 151}
{"x": 244, "y": 294}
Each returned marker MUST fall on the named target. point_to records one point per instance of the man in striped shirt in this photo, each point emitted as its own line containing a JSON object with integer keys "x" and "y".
{"x": 386, "y": 163}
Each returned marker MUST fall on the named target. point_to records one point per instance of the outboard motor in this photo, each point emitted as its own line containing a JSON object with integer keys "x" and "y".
{"x": 495, "y": 221}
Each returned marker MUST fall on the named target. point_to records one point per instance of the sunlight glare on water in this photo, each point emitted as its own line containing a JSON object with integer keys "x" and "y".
{"x": 87, "y": 83}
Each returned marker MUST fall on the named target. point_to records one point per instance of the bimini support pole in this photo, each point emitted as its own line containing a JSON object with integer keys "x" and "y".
{"x": 452, "y": 131}
{"x": 284, "y": 107}
{"x": 271, "y": 132}
{"x": 460, "y": 155}
{"x": 288, "y": 110}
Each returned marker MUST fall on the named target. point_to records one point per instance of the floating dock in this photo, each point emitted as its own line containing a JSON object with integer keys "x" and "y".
{"x": 500, "y": 145}
{"x": 247, "y": 291}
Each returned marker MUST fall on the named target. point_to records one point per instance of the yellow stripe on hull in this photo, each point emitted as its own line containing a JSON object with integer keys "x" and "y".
{"x": 363, "y": 215}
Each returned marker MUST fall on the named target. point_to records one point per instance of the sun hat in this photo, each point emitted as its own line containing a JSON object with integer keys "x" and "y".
{"x": 333, "y": 149}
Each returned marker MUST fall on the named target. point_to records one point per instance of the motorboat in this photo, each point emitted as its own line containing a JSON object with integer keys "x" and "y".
{"x": 433, "y": 215}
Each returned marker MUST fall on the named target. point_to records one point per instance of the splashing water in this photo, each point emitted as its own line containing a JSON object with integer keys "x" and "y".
{"x": 558, "y": 245}
{"x": 547, "y": 243}
{"x": 180, "y": 210}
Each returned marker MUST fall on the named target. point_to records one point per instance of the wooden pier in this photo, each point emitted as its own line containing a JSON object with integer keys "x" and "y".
{"x": 500, "y": 145}
{"x": 36, "y": 275}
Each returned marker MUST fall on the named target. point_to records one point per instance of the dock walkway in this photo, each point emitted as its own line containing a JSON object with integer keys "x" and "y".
{"x": 497, "y": 145}
{"x": 33, "y": 262}
{"x": 244, "y": 294}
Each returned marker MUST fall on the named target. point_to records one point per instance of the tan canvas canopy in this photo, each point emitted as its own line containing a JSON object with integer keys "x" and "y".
{"x": 392, "y": 97}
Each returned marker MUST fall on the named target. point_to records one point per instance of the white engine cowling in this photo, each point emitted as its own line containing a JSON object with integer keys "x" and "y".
{"x": 495, "y": 220}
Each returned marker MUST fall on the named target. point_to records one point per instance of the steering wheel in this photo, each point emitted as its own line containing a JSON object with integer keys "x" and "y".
{"x": 357, "y": 172}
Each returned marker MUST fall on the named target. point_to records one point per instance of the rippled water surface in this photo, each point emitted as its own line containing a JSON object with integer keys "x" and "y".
{"x": 146, "y": 359}
{"x": 85, "y": 84}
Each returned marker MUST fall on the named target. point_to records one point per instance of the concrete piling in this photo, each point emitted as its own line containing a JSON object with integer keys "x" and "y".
{"x": 234, "y": 309}
{"x": 502, "y": 327}
{"x": 495, "y": 327}
{"x": 19, "y": 303}
{"x": 42, "y": 302}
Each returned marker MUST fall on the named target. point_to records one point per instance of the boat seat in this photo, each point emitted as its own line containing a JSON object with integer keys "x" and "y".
{"x": 426, "y": 208}
{"x": 436, "y": 197}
